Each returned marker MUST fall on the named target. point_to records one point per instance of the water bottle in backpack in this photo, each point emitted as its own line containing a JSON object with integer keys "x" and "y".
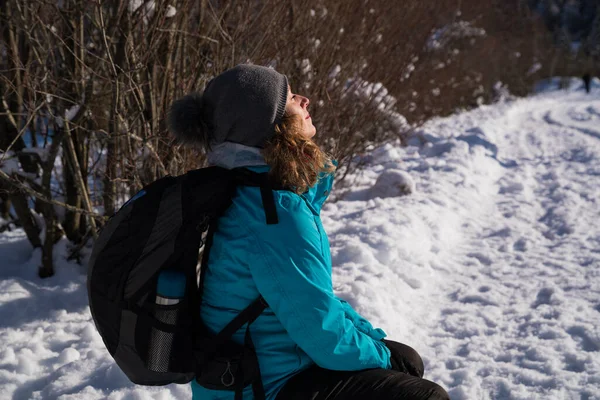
{"x": 170, "y": 291}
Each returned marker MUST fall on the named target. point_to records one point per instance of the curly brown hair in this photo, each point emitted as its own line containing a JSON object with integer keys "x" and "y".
{"x": 296, "y": 162}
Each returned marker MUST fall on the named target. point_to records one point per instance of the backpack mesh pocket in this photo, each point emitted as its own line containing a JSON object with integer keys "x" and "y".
{"x": 160, "y": 345}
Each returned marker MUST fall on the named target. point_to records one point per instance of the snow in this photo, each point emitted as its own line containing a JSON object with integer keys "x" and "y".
{"x": 149, "y": 9}
{"x": 377, "y": 95}
{"x": 335, "y": 71}
{"x": 9, "y": 163}
{"x": 490, "y": 269}
{"x": 457, "y": 30}
{"x": 171, "y": 12}
{"x": 478, "y": 245}
{"x": 534, "y": 68}
{"x": 393, "y": 183}
{"x": 306, "y": 68}
{"x": 72, "y": 112}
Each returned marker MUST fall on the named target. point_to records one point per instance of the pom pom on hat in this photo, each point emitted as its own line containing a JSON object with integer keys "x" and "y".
{"x": 186, "y": 121}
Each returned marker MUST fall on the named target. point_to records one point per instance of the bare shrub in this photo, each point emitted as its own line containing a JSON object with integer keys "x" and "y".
{"x": 92, "y": 80}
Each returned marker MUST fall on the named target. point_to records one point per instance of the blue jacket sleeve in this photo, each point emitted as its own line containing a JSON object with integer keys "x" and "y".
{"x": 361, "y": 323}
{"x": 294, "y": 277}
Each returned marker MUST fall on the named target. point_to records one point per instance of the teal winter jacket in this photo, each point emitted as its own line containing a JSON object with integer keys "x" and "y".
{"x": 289, "y": 264}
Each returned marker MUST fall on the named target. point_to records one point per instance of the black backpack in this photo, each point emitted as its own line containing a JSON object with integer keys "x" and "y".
{"x": 143, "y": 286}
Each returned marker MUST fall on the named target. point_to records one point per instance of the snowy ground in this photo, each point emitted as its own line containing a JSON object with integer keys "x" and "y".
{"x": 490, "y": 268}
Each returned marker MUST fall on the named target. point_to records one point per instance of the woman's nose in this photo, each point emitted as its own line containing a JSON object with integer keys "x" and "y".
{"x": 305, "y": 102}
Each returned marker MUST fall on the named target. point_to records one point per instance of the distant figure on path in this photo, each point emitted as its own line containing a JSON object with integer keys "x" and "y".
{"x": 587, "y": 81}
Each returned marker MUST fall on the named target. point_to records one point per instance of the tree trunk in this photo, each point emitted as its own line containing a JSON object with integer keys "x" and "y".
{"x": 21, "y": 207}
{"x": 74, "y": 223}
{"x": 4, "y": 206}
{"x": 72, "y": 220}
{"x": 53, "y": 233}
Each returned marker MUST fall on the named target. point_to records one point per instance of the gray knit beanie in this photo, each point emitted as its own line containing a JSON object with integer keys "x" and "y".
{"x": 242, "y": 105}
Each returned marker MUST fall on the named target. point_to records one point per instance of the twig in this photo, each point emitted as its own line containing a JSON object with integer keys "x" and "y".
{"x": 103, "y": 31}
{"x": 78, "y": 177}
{"x": 188, "y": 34}
{"x": 21, "y": 131}
{"x": 9, "y": 114}
{"x": 152, "y": 151}
{"x": 14, "y": 182}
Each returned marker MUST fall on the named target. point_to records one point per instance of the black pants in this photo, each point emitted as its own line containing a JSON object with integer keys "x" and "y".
{"x": 373, "y": 384}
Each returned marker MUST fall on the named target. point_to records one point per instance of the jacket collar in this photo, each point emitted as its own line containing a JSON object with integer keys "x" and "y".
{"x": 233, "y": 155}
{"x": 318, "y": 194}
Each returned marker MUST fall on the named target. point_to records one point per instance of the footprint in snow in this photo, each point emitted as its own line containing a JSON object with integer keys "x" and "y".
{"x": 546, "y": 296}
{"x": 580, "y": 334}
{"x": 482, "y": 258}
{"x": 503, "y": 233}
{"x": 576, "y": 115}
{"x": 520, "y": 245}
{"x": 512, "y": 188}
{"x": 573, "y": 363}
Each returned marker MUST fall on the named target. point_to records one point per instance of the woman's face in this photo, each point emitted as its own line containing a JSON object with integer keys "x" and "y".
{"x": 298, "y": 105}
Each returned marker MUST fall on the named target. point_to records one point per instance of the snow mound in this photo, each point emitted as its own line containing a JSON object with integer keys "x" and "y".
{"x": 392, "y": 183}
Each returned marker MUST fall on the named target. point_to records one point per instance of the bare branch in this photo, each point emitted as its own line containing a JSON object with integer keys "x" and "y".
{"x": 15, "y": 182}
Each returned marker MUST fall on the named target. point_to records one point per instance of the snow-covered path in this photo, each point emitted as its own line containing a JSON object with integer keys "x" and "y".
{"x": 524, "y": 310}
{"x": 504, "y": 303}
{"x": 490, "y": 268}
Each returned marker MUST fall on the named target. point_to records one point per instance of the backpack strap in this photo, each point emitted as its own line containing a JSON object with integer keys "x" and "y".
{"x": 268, "y": 201}
{"x": 247, "y": 315}
{"x": 246, "y": 177}
{"x": 258, "y": 389}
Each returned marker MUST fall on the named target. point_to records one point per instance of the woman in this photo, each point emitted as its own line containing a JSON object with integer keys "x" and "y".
{"x": 309, "y": 343}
